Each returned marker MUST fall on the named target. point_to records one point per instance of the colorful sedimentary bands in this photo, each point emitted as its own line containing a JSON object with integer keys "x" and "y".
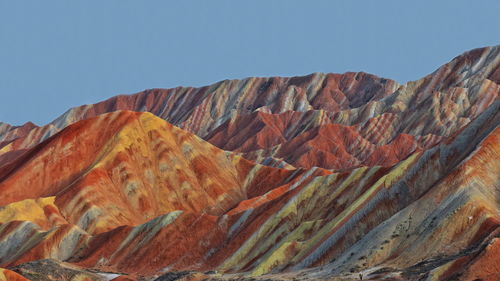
{"x": 322, "y": 177}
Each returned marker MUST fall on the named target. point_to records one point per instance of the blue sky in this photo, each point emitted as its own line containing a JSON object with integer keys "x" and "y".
{"x": 59, "y": 54}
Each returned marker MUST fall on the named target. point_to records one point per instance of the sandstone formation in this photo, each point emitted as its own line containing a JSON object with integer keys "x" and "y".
{"x": 322, "y": 177}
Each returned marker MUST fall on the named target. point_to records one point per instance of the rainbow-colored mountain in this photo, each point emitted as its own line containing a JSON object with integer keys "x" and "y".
{"x": 322, "y": 177}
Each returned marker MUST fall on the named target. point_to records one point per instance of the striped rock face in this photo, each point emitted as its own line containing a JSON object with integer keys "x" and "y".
{"x": 323, "y": 177}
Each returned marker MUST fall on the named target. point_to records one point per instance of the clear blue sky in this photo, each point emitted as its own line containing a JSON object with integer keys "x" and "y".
{"x": 59, "y": 54}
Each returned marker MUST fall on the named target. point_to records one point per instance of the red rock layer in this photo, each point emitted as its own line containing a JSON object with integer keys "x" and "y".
{"x": 327, "y": 145}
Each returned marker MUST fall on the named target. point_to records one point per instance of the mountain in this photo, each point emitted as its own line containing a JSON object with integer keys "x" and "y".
{"x": 322, "y": 177}
{"x": 421, "y": 113}
{"x": 122, "y": 173}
